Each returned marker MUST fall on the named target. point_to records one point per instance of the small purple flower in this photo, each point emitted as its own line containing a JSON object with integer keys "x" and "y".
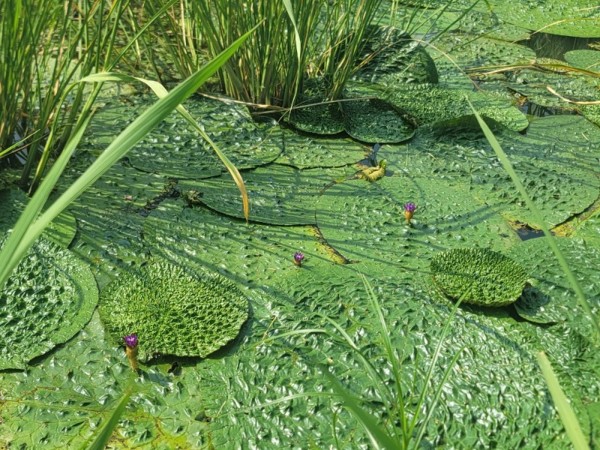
{"x": 410, "y": 207}
{"x": 131, "y": 340}
{"x": 409, "y": 210}
{"x": 298, "y": 258}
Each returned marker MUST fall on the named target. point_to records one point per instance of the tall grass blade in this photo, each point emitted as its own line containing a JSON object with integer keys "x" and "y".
{"x": 25, "y": 234}
{"x": 566, "y": 413}
{"x": 379, "y": 436}
{"x": 538, "y": 217}
{"x": 108, "y": 428}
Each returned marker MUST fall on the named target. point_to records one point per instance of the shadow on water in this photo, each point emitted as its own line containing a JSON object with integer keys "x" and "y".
{"x": 554, "y": 46}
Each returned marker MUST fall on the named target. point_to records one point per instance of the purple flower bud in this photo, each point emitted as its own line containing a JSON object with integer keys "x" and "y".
{"x": 410, "y": 207}
{"x": 298, "y": 258}
{"x": 131, "y": 340}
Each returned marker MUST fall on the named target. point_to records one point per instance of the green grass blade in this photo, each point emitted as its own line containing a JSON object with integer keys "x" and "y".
{"x": 378, "y": 435}
{"x": 26, "y": 232}
{"x": 108, "y": 428}
{"x": 566, "y": 413}
{"x": 538, "y": 217}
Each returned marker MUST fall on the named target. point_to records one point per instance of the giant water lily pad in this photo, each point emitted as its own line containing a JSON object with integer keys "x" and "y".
{"x": 577, "y": 18}
{"x": 584, "y": 59}
{"x": 48, "y": 298}
{"x": 110, "y": 216}
{"x": 392, "y": 57}
{"x": 471, "y": 50}
{"x": 478, "y": 276}
{"x": 561, "y": 178}
{"x": 62, "y": 229}
{"x": 307, "y": 151}
{"x": 442, "y": 105}
{"x": 174, "y": 311}
{"x": 278, "y": 194}
{"x": 573, "y": 85}
{"x": 376, "y": 121}
{"x": 551, "y": 287}
{"x": 365, "y": 221}
{"x": 174, "y": 149}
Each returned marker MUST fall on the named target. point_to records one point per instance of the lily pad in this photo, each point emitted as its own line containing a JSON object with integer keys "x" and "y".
{"x": 49, "y": 297}
{"x": 441, "y": 105}
{"x": 61, "y": 230}
{"x": 375, "y": 121}
{"x": 319, "y": 116}
{"x": 174, "y": 311}
{"x": 174, "y": 149}
{"x": 306, "y": 151}
{"x": 365, "y": 222}
{"x": 584, "y": 59}
{"x": 278, "y": 194}
{"x": 550, "y": 282}
{"x": 561, "y": 178}
{"x": 478, "y": 276}
{"x": 470, "y": 50}
{"x": 393, "y": 57}
{"x": 576, "y": 18}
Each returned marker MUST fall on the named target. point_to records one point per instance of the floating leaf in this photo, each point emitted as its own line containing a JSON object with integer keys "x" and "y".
{"x": 174, "y": 150}
{"x": 442, "y": 105}
{"x": 278, "y": 194}
{"x": 576, "y": 18}
{"x": 392, "y": 57}
{"x": 305, "y": 151}
{"x": 375, "y": 121}
{"x": 49, "y": 297}
{"x": 173, "y": 311}
{"x": 478, "y": 276}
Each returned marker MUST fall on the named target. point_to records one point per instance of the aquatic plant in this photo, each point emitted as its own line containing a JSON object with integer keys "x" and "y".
{"x": 409, "y": 211}
{"x": 294, "y": 41}
{"x": 131, "y": 350}
{"x": 298, "y": 258}
{"x": 478, "y": 276}
{"x": 48, "y": 299}
{"x": 174, "y": 311}
{"x": 30, "y": 226}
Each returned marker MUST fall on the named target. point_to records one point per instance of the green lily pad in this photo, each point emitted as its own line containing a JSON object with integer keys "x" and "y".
{"x": 478, "y": 276}
{"x": 441, "y": 105}
{"x": 110, "y": 215}
{"x": 392, "y": 57}
{"x": 61, "y": 230}
{"x": 365, "y": 222}
{"x": 174, "y": 149}
{"x": 575, "y": 86}
{"x": 305, "y": 151}
{"x": 576, "y": 18}
{"x": 561, "y": 178}
{"x": 173, "y": 311}
{"x": 375, "y": 121}
{"x": 471, "y": 50}
{"x": 319, "y": 116}
{"x": 584, "y": 59}
{"x": 550, "y": 283}
{"x": 49, "y": 297}
{"x": 278, "y": 194}
{"x": 533, "y": 306}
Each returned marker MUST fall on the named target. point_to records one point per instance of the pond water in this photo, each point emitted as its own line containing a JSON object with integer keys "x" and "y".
{"x": 171, "y": 200}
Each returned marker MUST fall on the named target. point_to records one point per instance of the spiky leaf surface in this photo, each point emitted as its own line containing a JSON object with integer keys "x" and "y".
{"x": 478, "y": 276}
{"x": 174, "y": 149}
{"x": 49, "y": 297}
{"x": 174, "y": 311}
